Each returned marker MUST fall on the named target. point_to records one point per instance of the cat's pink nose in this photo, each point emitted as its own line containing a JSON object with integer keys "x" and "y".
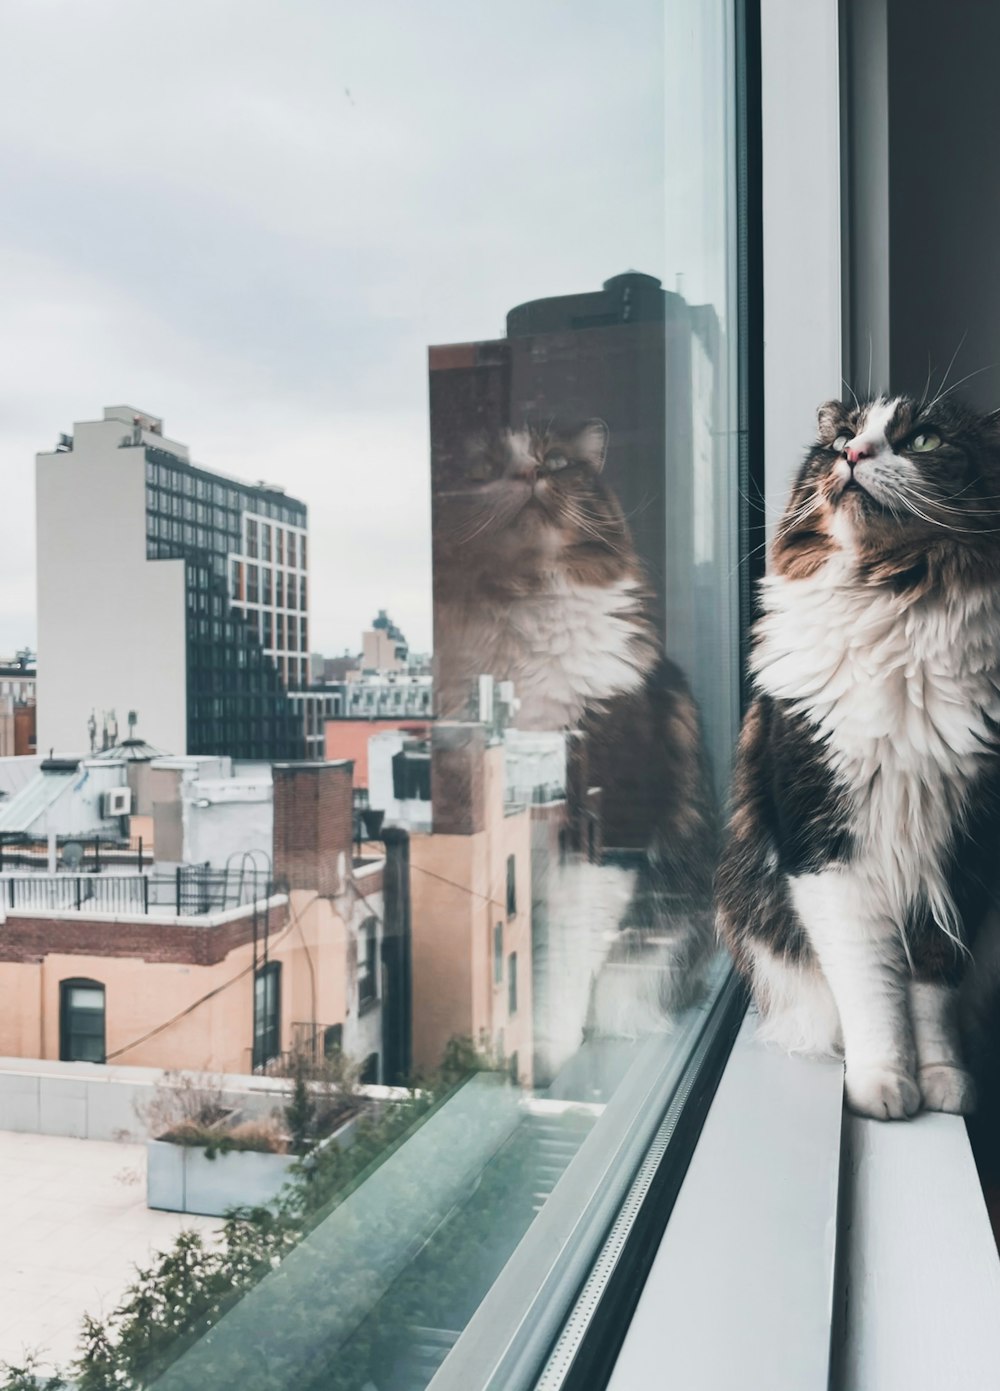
{"x": 857, "y": 451}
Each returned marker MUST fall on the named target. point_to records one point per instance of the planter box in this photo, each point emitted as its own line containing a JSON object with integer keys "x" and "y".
{"x": 181, "y": 1178}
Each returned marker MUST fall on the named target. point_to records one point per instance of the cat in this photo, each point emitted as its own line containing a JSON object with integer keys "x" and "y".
{"x": 855, "y": 888}
{"x": 537, "y": 582}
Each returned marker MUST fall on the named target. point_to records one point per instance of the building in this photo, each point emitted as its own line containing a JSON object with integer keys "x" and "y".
{"x": 218, "y": 967}
{"x": 652, "y": 367}
{"x": 384, "y": 648}
{"x": 17, "y": 706}
{"x": 170, "y": 591}
{"x": 347, "y": 737}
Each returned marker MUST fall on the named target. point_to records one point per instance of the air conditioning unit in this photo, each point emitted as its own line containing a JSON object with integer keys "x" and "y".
{"x": 117, "y": 802}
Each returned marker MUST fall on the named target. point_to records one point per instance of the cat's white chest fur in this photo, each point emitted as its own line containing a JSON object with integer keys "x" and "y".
{"x": 901, "y": 695}
{"x": 566, "y": 647}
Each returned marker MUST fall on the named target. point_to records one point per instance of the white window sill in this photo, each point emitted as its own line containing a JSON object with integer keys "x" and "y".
{"x": 809, "y": 1249}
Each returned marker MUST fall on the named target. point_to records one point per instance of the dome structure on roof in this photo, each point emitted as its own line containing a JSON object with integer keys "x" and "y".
{"x": 129, "y": 751}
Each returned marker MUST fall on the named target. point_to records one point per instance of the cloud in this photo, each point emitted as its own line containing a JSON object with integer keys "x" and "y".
{"x": 252, "y": 219}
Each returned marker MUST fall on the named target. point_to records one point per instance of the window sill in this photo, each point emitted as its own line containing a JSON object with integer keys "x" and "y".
{"x": 810, "y": 1249}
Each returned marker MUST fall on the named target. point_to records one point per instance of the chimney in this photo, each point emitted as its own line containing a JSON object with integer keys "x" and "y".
{"x": 313, "y": 824}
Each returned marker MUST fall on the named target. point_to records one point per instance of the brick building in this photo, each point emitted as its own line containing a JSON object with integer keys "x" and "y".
{"x": 219, "y": 971}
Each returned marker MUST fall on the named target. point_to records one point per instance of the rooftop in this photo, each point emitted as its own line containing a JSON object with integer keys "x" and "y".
{"x": 76, "y": 1225}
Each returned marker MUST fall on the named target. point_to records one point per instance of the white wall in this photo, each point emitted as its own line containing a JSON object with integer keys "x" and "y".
{"x": 382, "y": 748}
{"x": 111, "y": 625}
{"x": 238, "y": 819}
{"x": 802, "y": 262}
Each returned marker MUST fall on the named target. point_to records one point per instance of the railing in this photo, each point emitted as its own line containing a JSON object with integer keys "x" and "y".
{"x": 189, "y": 891}
{"x": 90, "y": 855}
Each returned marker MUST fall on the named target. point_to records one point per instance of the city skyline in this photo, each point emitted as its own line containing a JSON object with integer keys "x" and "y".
{"x": 264, "y": 260}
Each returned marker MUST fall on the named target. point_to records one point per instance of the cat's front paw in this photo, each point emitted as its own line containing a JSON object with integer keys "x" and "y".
{"x": 882, "y": 1092}
{"x": 947, "y": 1088}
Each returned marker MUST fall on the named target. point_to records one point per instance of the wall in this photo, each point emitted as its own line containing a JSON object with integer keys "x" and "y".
{"x": 944, "y": 195}
{"x": 348, "y": 738}
{"x": 178, "y": 995}
{"x": 92, "y": 568}
{"x": 458, "y": 890}
{"x": 313, "y": 825}
{"x": 238, "y": 821}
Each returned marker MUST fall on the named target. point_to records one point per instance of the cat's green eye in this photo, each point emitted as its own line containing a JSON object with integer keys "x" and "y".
{"x": 841, "y": 443}
{"x": 924, "y": 442}
{"x": 554, "y": 462}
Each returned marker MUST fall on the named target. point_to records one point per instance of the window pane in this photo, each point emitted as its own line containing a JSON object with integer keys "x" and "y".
{"x": 468, "y": 310}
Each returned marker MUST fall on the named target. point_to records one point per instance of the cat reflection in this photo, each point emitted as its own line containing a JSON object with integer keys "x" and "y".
{"x": 537, "y": 582}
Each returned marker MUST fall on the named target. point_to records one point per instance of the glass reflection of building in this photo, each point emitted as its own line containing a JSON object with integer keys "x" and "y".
{"x": 651, "y": 366}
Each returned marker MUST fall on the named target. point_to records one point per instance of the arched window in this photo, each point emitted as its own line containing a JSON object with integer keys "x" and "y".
{"x": 81, "y": 1021}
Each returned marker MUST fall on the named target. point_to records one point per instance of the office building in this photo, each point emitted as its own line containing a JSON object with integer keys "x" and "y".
{"x": 167, "y": 591}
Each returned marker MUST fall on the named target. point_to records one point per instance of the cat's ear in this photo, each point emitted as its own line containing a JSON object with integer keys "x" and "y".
{"x": 830, "y": 417}
{"x": 591, "y": 443}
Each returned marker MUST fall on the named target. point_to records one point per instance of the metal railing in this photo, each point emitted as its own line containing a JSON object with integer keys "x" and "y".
{"x": 188, "y": 891}
{"x": 78, "y": 854}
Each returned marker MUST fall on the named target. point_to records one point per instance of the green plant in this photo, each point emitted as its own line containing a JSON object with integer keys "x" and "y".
{"x": 27, "y": 1376}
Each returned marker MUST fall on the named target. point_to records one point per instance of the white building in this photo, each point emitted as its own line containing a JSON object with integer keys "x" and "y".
{"x": 166, "y": 590}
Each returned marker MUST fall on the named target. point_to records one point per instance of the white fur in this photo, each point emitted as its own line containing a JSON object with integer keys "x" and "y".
{"x": 798, "y": 1009}
{"x": 900, "y": 693}
{"x": 564, "y": 647}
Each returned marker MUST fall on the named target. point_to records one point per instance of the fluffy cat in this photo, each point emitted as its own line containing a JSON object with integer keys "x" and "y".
{"x": 856, "y": 886}
{"x": 537, "y": 582}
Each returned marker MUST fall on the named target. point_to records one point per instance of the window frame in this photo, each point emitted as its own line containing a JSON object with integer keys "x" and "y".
{"x": 66, "y": 987}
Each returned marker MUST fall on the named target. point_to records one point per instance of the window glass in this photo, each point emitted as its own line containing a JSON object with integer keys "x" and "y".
{"x": 82, "y": 1027}
{"x": 463, "y": 281}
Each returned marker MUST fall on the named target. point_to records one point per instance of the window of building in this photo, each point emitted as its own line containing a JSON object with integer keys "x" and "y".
{"x": 279, "y": 588}
{"x": 498, "y": 954}
{"x": 302, "y": 591}
{"x": 267, "y": 1014}
{"x": 251, "y": 536}
{"x": 81, "y": 1021}
{"x": 512, "y": 983}
{"x": 265, "y": 595}
{"x": 253, "y": 585}
{"x": 265, "y": 542}
{"x": 511, "y": 886}
{"x": 333, "y": 1040}
{"x": 367, "y": 963}
{"x": 369, "y": 1075}
{"x": 291, "y": 549}
{"x": 279, "y": 545}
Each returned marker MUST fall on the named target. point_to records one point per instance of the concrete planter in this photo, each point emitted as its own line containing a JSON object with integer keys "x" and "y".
{"x": 181, "y": 1178}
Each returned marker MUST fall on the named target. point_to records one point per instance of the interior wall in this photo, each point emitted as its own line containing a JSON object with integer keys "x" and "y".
{"x": 941, "y": 124}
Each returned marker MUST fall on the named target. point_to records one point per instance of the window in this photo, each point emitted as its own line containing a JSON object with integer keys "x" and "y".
{"x": 367, "y": 963}
{"x": 600, "y": 332}
{"x": 267, "y": 1014}
{"x": 81, "y": 1021}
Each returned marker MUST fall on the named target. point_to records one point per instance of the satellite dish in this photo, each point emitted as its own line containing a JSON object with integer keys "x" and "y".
{"x": 72, "y": 854}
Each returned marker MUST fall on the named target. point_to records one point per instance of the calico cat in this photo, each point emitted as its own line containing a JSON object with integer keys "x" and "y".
{"x": 857, "y": 884}
{"x": 537, "y": 582}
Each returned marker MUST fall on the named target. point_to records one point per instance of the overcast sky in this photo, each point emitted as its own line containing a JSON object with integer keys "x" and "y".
{"x": 252, "y": 218}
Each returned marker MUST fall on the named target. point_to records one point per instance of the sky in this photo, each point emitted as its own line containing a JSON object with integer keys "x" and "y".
{"x": 252, "y": 217}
